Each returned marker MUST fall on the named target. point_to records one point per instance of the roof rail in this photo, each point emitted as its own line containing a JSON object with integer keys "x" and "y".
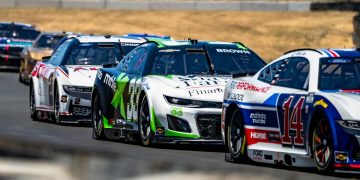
{"x": 303, "y": 49}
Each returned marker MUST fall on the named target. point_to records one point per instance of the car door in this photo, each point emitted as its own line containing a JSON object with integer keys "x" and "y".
{"x": 130, "y": 83}
{"x": 46, "y": 72}
{"x": 292, "y": 76}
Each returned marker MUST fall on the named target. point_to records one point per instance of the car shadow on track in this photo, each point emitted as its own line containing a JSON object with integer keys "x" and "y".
{"x": 296, "y": 169}
{"x": 79, "y": 124}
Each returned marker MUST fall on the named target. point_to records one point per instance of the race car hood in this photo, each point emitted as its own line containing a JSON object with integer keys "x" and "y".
{"x": 15, "y": 42}
{"x": 39, "y": 53}
{"x": 347, "y": 103}
{"x": 205, "y": 88}
{"x": 82, "y": 75}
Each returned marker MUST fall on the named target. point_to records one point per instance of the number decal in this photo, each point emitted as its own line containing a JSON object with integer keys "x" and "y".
{"x": 293, "y": 121}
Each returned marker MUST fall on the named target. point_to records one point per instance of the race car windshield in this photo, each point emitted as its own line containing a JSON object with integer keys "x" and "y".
{"x": 18, "y": 32}
{"x": 339, "y": 74}
{"x": 94, "y": 54}
{"x": 229, "y": 61}
{"x": 48, "y": 41}
{"x": 180, "y": 61}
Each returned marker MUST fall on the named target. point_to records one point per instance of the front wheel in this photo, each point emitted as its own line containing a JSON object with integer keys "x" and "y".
{"x": 236, "y": 139}
{"x": 144, "y": 123}
{"x": 322, "y": 147}
{"x": 57, "y": 116}
{"x": 33, "y": 112}
{"x": 96, "y": 117}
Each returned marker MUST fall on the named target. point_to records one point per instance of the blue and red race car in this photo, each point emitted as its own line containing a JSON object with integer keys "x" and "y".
{"x": 300, "y": 110}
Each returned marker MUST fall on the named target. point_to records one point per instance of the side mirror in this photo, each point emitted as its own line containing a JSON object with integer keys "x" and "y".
{"x": 45, "y": 58}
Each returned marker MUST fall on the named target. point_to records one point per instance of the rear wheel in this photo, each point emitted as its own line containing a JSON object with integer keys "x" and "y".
{"x": 57, "y": 116}
{"x": 236, "y": 139}
{"x": 97, "y": 123}
{"x": 323, "y": 146}
{"x": 21, "y": 77}
{"x": 144, "y": 123}
{"x": 33, "y": 112}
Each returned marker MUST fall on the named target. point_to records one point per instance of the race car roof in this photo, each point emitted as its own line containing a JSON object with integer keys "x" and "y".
{"x": 17, "y": 23}
{"x": 89, "y": 39}
{"x": 341, "y": 52}
{"x": 196, "y": 42}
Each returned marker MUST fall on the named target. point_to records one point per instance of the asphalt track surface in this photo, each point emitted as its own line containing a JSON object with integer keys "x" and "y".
{"x": 16, "y": 124}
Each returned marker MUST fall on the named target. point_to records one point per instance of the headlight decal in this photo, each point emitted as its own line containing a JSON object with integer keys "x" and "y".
{"x": 192, "y": 103}
{"x": 350, "y": 124}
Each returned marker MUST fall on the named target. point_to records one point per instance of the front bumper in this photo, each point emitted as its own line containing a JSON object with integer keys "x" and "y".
{"x": 195, "y": 125}
{"x": 347, "y": 152}
{"x": 174, "y": 140}
{"x": 75, "y": 109}
{"x": 10, "y": 62}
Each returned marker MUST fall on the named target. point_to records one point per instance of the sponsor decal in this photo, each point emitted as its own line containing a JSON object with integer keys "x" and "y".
{"x": 99, "y": 75}
{"x": 236, "y": 96}
{"x": 130, "y": 44}
{"x": 341, "y": 157}
{"x": 274, "y": 137}
{"x": 258, "y": 155}
{"x": 190, "y": 81}
{"x": 233, "y": 51}
{"x": 292, "y": 121}
{"x": 299, "y": 54}
{"x": 310, "y": 98}
{"x": 146, "y": 86}
{"x": 257, "y": 135}
{"x": 176, "y": 111}
{"x": 110, "y": 81}
{"x": 193, "y": 92}
{"x": 321, "y": 102}
{"x": 249, "y": 87}
{"x": 258, "y": 118}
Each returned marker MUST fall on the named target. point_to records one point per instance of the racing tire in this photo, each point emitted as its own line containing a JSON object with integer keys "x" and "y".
{"x": 322, "y": 147}
{"x": 57, "y": 117}
{"x": 96, "y": 119}
{"x": 236, "y": 138}
{"x": 33, "y": 112}
{"x": 145, "y": 133}
{"x": 21, "y": 77}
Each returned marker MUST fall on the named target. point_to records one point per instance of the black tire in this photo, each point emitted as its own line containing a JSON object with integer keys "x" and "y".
{"x": 145, "y": 133}
{"x": 322, "y": 147}
{"x": 236, "y": 139}
{"x": 20, "y": 77}
{"x": 33, "y": 112}
{"x": 97, "y": 123}
{"x": 57, "y": 117}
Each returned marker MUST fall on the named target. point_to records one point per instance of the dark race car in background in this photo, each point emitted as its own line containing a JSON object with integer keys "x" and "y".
{"x": 14, "y": 37}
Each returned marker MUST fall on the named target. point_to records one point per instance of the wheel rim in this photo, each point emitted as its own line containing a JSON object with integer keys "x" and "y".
{"x": 97, "y": 120}
{"x": 32, "y": 101}
{"x": 322, "y": 143}
{"x": 145, "y": 120}
{"x": 236, "y": 135}
{"x": 57, "y": 105}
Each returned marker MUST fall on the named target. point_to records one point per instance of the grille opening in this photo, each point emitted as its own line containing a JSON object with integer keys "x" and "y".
{"x": 177, "y": 124}
{"x": 80, "y": 110}
{"x": 356, "y": 154}
{"x": 209, "y": 126}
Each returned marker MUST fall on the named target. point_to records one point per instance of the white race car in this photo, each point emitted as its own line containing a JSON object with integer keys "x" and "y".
{"x": 60, "y": 87}
{"x": 169, "y": 91}
{"x": 300, "y": 110}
